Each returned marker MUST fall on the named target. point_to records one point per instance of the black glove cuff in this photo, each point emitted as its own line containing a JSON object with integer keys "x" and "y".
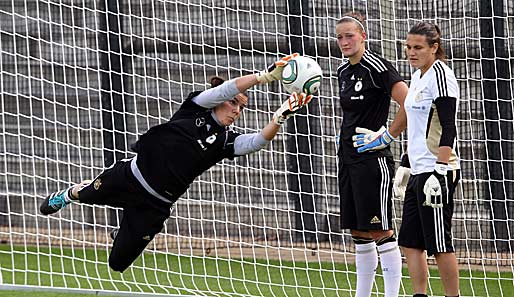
{"x": 405, "y": 161}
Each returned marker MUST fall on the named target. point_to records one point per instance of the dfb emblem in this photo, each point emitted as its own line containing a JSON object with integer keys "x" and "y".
{"x": 419, "y": 97}
{"x": 97, "y": 184}
{"x": 200, "y": 121}
{"x": 358, "y": 86}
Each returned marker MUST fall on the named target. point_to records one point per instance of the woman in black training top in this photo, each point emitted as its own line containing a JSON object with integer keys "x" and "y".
{"x": 171, "y": 155}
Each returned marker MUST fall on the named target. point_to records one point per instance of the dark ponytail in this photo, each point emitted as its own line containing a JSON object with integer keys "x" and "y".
{"x": 216, "y": 81}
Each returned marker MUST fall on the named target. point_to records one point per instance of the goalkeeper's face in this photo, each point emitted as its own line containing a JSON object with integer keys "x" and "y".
{"x": 229, "y": 111}
{"x": 350, "y": 39}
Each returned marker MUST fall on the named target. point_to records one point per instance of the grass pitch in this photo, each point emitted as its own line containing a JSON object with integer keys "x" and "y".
{"x": 192, "y": 275}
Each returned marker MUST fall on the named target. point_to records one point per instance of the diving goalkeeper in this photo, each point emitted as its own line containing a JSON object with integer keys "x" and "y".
{"x": 171, "y": 155}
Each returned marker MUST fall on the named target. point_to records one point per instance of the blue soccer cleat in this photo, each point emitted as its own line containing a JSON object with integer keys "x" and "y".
{"x": 54, "y": 202}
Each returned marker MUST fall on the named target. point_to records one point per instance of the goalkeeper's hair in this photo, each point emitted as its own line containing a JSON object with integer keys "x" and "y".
{"x": 432, "y": 34}
{"x": 216, "y": 81}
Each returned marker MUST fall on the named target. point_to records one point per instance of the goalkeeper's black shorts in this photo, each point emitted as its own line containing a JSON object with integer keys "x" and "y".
{"x": 143, "y": 215}
{"x": 424, "y": 227}
{"x": 365, "y": 189}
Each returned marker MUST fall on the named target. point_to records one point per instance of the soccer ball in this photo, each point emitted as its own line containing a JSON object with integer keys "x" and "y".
{"x": 302, "y": 75}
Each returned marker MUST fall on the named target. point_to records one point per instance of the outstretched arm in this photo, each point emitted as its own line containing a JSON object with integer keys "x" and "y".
{"x": 249, "y": 143}
{"x": 228, "y": 90}
{"x": 231, "y": 88}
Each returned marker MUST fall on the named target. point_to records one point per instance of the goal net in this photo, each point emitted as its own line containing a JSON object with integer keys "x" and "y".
{"x": 81, "y": 80}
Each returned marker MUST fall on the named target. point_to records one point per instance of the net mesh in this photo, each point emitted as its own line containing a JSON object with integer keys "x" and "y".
{"x": 81, "y": 80}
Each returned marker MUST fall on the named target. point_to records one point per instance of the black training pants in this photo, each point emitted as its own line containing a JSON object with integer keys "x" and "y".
{"x": 143, "y": 215}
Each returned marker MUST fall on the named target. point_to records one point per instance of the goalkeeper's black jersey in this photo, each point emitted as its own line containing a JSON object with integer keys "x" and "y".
{"x": 365, "y": 96}
{"x": 171, "y": 155}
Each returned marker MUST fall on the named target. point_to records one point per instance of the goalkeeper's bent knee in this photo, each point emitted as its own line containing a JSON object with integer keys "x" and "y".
{"x": 117, "y": 266}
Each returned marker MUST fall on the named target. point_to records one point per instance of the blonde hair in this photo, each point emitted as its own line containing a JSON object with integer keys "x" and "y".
{"x": 355, "y": 17}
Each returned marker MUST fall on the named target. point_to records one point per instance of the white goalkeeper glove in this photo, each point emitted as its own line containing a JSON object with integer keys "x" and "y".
{"x": 368, "y": 140}
{"x": 433, "y": 188}
{"x": 274, "y": 72}
{"x": 401, "y": 178}
{"x": 291, "y": 106}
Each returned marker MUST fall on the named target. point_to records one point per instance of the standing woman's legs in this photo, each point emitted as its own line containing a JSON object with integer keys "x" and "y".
{"x": 418, "y": 269}
{"x": 411, "y": 237}
{"x": 390, "y": 261}
{"x": 366, "y": 262}
{"x": 366, "y": 245}
{"x": 447, "y": 262}
{"x": 371, "y": 189}
{"x": 449, "y": 273}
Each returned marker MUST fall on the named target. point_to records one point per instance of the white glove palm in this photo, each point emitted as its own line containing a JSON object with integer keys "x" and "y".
{"x": 368, "y": 140}
{"x": 291, "y": 106}
{"x": 433, "y": 188}
{"x": 400, "y": 182}
{"x": 274, "y": 72}
{"x": 433, "y": 192}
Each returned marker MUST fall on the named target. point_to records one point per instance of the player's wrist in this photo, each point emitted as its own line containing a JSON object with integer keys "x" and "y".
{"x": 278, "y": 119}
{"x": 441, "y": 168}
{"x": 404, "y": 162}
{"x": 263, "y": 77}
{"x": 387, "y": 137}
{"x": 281, "y": 114}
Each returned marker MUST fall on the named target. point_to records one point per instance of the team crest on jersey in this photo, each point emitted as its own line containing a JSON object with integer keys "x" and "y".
{"x": 358, "y": 86}
{"x": 97, "y": 184}
{"x": 419, "y": 97}
{"x": 200, "y": 121}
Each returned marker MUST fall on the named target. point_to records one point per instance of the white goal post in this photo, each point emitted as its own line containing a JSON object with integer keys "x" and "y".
{"x": 81, "y": 80}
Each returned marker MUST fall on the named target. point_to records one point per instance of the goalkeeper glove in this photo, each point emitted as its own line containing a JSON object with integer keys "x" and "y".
{"x": 401, "y": 178}
{"x": 367, "y": 140}
{"x": 291, "y": 106}
{"x": 433, "y": 188}
{"x": 274, "y": 72}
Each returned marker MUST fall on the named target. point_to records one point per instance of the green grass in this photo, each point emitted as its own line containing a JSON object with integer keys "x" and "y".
{"x": 185, "y": 275}
{"x": 41, "y": 294}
